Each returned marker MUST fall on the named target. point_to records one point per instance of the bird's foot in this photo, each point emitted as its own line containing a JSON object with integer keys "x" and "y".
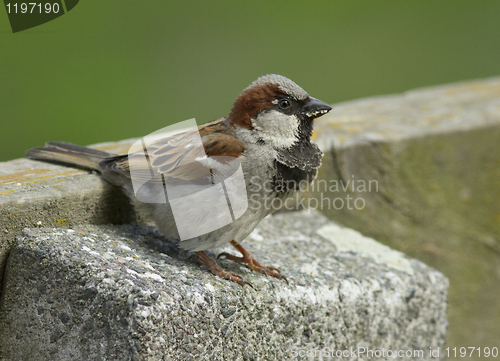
{"x": 251, "y": 262}
{"x": 209, "y": 263}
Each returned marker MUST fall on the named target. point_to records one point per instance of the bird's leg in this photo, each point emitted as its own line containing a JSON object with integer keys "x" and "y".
{"x": 209, "y": 263}
{"x": 251, "y": 262}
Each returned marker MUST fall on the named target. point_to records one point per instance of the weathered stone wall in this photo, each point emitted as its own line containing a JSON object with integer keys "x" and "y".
{"x": 88, "y": 289}
{"x": 126, "y": 293}
{"x": 435, "y": 156}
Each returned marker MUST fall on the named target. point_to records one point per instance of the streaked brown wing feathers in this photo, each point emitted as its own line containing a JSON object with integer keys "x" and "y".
{"x": 177, "y": 160}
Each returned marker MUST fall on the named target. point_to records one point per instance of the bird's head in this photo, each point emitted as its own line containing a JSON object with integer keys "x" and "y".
{"x": 277, "y": 111}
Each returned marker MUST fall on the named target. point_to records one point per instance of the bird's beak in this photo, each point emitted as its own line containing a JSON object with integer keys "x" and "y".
{"x": 315, "y": 108}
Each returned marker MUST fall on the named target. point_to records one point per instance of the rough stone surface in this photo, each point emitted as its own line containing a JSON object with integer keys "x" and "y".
{"x": 126, "y": 293}
{"x": 34, "y": 193}
{"x": 434, "y": 154}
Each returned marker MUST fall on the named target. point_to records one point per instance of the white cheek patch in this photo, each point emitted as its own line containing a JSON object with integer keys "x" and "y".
{"x": 276, "y": 128}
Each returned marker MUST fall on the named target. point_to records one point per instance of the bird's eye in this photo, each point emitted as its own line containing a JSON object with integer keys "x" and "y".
{"x": 285, "y": 103}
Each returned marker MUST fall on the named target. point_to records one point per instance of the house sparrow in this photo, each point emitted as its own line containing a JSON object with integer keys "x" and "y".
{"x": 268, "y": 131}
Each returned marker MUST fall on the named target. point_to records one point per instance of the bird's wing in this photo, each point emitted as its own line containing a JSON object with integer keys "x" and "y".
{"x": 180, "y": 158}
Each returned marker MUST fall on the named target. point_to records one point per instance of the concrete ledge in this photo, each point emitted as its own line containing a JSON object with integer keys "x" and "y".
{"x": 127, "y": 293}
{"x": 34, "y": 194}
{"x": 434, "y": 154}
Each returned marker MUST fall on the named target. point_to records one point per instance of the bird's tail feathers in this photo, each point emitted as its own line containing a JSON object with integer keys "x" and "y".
{"x": 69, "y": 153}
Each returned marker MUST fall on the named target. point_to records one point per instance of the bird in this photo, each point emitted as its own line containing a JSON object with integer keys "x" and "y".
{"x": 267, "y": 135}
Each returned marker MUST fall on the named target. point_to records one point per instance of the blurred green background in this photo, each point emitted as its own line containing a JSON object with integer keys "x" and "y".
{"x": 111, "y": 70}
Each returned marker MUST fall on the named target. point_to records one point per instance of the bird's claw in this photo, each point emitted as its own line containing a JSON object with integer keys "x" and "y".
{"x": 251, "y": 262}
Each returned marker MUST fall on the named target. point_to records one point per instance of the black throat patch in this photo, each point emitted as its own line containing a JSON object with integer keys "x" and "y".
{"x": 299, "y": 163}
